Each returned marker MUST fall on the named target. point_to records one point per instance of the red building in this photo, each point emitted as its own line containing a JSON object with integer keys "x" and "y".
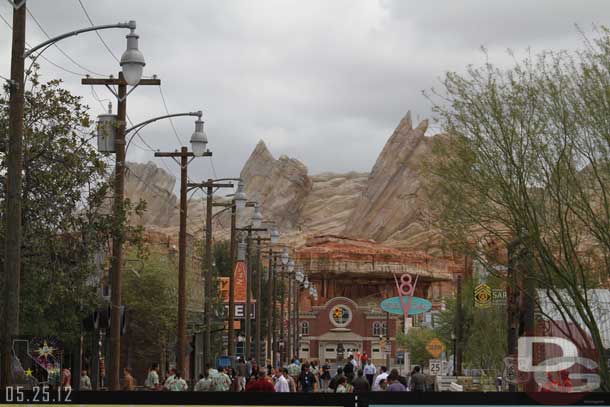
{"x": 352, "y": 277}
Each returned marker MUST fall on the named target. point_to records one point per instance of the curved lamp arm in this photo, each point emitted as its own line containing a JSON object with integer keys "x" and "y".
{"x": 198, "y": 113}
{"x": 131, "y": 25}
{"x": 139, "y": 126}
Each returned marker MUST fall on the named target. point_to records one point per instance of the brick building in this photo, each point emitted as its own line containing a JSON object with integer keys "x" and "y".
{"x": 352, "y": 277}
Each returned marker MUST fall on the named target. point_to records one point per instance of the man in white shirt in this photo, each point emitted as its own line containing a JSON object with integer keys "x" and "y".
{"x": 170, "y": 379}
{"x": 369, "y": 371}
{"x": 381, "y": 376}
{"x": 281, "y": 384}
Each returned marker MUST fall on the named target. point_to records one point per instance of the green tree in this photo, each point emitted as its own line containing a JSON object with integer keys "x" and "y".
{"x": 64, "y": 225}
{"x": 151, "y": 299}
{"x": 527, "y": 166}
{"x": 415, "y": 342}
{"x": 484, "y": 329}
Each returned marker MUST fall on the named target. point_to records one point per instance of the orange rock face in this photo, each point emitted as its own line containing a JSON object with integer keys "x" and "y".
{"x": 365, "y": 271}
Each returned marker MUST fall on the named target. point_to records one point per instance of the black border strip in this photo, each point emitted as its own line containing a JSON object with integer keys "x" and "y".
{"x": 321, "y": 399}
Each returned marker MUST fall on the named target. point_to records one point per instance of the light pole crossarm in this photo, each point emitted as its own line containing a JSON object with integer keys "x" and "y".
{"x": 131, "y": 25}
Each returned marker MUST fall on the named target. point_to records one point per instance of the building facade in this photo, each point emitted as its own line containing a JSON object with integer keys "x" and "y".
{"x": 352, "y": 278}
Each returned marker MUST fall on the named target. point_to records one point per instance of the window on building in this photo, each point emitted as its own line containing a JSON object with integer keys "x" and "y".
{"x": 305, "y": 328}
{"x": 384, "y": 329}
{"x": 376, "y": 328}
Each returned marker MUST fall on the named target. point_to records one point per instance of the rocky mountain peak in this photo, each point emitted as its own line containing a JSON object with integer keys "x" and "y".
{"x": 391, "y": 204}
{"x": 279, "y": 185}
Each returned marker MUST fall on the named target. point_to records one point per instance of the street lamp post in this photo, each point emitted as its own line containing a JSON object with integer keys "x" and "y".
{"x": 237, "y": 203}
{"x": 14, "y": 158}
{"x": 290, "y": 268}
{"x": 302, "y": 281}
{"x": 284, "y": 260}
{"x": 209, "y": 186}
{"x": 256, "y": 220}
{"x": 454, "y": 340}
{"x": 198, "y": 143}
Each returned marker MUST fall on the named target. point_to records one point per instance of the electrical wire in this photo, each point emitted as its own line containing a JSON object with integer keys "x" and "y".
{"x": 43, "y": 57}
{"x": 59, "y": 48}
{"x": 170, "y": 119}
{"x": 96, "y": 31}
{"x": 96, "y": 97}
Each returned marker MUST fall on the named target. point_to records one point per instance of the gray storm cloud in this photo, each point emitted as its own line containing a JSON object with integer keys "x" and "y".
{"x": 325, "y": 82}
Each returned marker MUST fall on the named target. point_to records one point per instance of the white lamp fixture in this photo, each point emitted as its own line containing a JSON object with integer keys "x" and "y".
{"x": 257, "y": 217}
{"x": 290, "y": 266}
{"x": 240, "y": 196}
{"x": 306, "y": 283}
{"x": 241, "y": 250}
{"x": 132, "y": 60}
{"x": 299, "y": 276}
{"x": 275, "y": 235}
{"x": 285, "y": 256}
{"x": 199, "y": 140}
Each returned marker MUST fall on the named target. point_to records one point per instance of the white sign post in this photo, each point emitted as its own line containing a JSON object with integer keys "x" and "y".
{"x": 436, "y": 367}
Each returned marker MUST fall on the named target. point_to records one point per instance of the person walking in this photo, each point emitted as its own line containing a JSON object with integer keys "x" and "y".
{"x": 221, "y": 381}
{"x": 129, "y": 383}
{"x": 169, "y": 380}
{"x": 66, "y": 379}
{"x": 260, "y": 384}
{"x": 294, "y": 369}
{"x": 360, "y": 384}
{"x": 242, "y": 372}
{"x": 204, "y": 383}
{"x": 306, "y": 380}
{"x": 381, "y": 376}
{"x": 292, "y": 385}
{"x": 335, "y": 380}
{"x": 369, "y": 371}
{"x": 178, "y": 384}
{"x": 418, "y": 380}
{"x": 324, "y": 377}
{"x": 393, "y": 383}
{"x": 152, "y": 382}
{"x": 85, "y": 381}
{"x": 281, "y": 384}
{"x": 348, "y": 369}
{"x": 342, "y": 386}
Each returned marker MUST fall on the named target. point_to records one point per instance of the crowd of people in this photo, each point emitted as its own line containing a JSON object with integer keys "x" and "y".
{"x": 299, "y": 376}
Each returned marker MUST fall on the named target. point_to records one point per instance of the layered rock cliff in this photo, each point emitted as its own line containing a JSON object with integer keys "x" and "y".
{"x": 393, "y": 207}
{"x": 280, "y": 186}
{"x": 387, "y": 205}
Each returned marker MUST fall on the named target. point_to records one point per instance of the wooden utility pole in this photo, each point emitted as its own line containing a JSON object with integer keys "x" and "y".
{"x": 289, "y": 319}
{"x": 184, "y": 156}
{"x": 209, "y": 186}
{"x": 231, "y": 335}
{"x": 271, "y": 306}
{"x": 12, "y": 254}
{"x": 459, "y": 328}
{"x": 119, "y": 220}
{"x": 283, "y": 356}
{"x": 248, "y": 350}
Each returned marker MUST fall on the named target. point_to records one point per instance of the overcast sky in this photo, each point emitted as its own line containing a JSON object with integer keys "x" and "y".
{"x": 322, "y": 81}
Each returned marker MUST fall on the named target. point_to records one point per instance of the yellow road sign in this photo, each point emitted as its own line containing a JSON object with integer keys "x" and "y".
{"x": 435, "y": 347}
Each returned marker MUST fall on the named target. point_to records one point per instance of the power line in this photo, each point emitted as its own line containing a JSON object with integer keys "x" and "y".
{"x": 79, "y": 74}
{"x": 170, "y": 119}
{"x": 96, "y": 31}
{"x": 96, "y": 97}
{"x": 59, "y": 48}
